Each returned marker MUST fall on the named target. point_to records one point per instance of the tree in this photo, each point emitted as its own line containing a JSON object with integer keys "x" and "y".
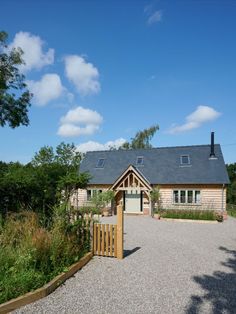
{"x": 45, "y": 156}
{"x": 231, "y": 190}
{"x": 156, "y": 199}
{"x": 14, "y": 97}
{"x": 142, "y": 139}
{"x": 67, "y": 155}
{"x": 70, "y": 183}
{"x": 40, "y": 185}
{"x": 101, "y": 200}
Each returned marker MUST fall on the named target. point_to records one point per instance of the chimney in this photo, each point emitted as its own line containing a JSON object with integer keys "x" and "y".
{"x": 212, "y": 154}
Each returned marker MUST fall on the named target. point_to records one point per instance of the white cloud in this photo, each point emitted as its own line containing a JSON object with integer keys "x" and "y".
{"x": 84, "y": 75}
{"x": 47, "y": 89}
{"x": 93, "y": 146}
{"x": 80, "y": 121}
{"x": 201, "y": 115}
{"x": 32, "y": 47}
{"x": 155, "y": 17}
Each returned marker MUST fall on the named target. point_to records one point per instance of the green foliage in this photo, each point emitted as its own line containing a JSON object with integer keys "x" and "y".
{"x": 189, "y": 214}
{"x": 231, "y": 189}
{"x": 14, "y": 97}
{"x": 66, "y": 155}
{"x": 28, "y": 187}
{"x": 71, "y": 182}
{"x": 101, "y": 200}
{"x": 45, "y": 156}
{"x": 48, "y": 179}
{"x": 142, "y": 139}
{"x": 31, "y": 255}
{"x": 156, "y": 198}
{"x": 231, "y": 210}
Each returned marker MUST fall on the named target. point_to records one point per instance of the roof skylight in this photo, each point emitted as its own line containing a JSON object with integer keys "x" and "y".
{"x": 184, "y": 160}
{"x": 139, "y": 160}
{"x": 100, "y": 163}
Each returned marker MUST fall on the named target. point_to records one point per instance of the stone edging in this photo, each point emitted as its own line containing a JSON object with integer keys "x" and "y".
{"x": 46, "y": 289}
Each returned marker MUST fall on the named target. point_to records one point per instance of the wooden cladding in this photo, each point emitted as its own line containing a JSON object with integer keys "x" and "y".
{"x": 105, "y": 240}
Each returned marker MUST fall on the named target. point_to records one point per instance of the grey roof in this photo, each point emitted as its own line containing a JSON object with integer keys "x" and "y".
{"x": 160, "y": 165}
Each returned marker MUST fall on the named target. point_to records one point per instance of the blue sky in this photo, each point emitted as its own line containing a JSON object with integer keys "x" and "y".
{"x": 102, "y": 70}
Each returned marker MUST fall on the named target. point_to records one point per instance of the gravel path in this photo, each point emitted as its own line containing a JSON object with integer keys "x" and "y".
{"x": 170, "y": 267}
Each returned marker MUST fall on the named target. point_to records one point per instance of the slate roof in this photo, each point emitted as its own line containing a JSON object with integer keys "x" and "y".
{"x": 160, "y": 165}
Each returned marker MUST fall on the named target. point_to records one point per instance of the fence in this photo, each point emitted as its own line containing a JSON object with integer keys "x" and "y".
{"x": 108, "y": 238}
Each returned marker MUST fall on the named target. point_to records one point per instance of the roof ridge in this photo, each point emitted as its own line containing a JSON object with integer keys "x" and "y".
{"x": 153, "y": 148}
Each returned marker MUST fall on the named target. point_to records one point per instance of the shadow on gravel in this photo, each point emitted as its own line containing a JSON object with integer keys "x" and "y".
{"x": 220, "y": 289}
{"x": 129, "y": 252}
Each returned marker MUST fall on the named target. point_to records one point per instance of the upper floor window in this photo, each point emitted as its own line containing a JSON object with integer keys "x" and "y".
{"x": 139, "y": 160}
{"x": 100, "y": 163}
{"x": 184, "y": 160}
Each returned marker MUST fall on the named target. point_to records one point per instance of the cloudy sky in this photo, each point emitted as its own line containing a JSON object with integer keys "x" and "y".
{"x": 102, "y": 70}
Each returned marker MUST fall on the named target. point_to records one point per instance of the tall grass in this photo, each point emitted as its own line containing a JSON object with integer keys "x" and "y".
{"x": 31, "y": 255}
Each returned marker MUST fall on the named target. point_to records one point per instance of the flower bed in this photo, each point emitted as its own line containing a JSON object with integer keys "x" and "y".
{"x": 191, "y": 214}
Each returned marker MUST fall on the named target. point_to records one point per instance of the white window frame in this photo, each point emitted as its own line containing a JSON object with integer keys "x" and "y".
{"x": 102, "y": 160}
{"x": 186, "y": 197}
{"x": 93, "y": 193}
{"x": 139, "y": 164}
{"x": 184, "y": 163}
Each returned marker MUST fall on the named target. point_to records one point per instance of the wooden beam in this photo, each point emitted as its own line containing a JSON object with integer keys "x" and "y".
{"x": 111, "y": 240}
{"x": 115, "y": 240}
{"x": 103, "y": 239}
{"x": 99, "y": 239}
{"x": 95, "y": 239}
{"x": 120, "y": 233}
{"x": 107, "y": 240}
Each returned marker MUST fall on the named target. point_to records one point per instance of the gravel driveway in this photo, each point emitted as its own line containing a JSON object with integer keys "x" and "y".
{"x": 170, "y": 267}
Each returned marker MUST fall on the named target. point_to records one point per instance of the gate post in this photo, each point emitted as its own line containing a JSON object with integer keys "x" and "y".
{"x": 120, "y": 233}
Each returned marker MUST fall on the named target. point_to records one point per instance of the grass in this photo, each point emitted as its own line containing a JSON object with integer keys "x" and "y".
{"x": 231, "y": 210}
{"x": 30, "y": 255}
{"x": 190, "y": 214}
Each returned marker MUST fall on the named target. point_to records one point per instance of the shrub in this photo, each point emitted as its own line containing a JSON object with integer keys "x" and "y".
{"x": 188, "y": 214}
{"x": 231, "y": 210}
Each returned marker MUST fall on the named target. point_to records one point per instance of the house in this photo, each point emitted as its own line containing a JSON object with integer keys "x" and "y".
{"x": 187, "y": 177}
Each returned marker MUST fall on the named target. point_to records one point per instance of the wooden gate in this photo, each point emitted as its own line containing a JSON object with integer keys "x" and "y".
{"x": 108, "y": 238}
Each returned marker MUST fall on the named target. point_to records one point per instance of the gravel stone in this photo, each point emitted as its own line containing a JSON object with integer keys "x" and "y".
{"x": 169, "y": 267}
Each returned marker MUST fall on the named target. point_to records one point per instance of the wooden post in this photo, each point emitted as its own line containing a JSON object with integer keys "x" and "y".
{"x": 120, "y": 233}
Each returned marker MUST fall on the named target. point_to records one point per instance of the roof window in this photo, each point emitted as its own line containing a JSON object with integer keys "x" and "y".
{"x": 139, "y": 160}
{"x": 184, "y": 160}
{"x": 100, "y": 163}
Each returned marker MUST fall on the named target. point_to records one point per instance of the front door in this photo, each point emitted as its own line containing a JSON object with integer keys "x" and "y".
{"x": 132, "y": 202}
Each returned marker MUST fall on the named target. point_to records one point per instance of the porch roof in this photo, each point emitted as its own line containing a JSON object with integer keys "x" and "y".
{"x": 160, "y": 165}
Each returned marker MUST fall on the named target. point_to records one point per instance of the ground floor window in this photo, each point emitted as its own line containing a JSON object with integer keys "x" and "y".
{"x": 92, "y": 193}
{"x": 186, "y": 196}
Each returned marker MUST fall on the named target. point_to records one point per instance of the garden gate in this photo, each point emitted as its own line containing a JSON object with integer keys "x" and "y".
{"x": 108, "y": 238}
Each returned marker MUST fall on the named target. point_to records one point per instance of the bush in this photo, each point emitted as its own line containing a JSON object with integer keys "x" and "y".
{"x": 189, "y": 214}
{"x": 31, "y": 255}
{"x": 231, "y": 210}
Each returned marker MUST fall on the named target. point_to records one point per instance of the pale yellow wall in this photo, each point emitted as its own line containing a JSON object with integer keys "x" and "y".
{"x": 81, "y": 195}
{"x": 211, "y": 197}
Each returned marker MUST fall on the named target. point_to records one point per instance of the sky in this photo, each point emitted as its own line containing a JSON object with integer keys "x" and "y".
{"x": 102, "y": 70}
